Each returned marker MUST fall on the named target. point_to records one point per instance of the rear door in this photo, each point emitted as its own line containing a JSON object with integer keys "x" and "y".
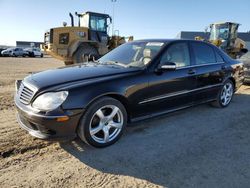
{"x": 19, "y": 52}
{"x": 210, "y": 70}
{"x": 36, "y": 52}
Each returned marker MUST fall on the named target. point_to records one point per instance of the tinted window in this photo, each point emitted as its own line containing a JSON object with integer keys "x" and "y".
{"x": 218, "y": 57}
{"x": 98, "y": 23}
{"x": 203, "y": 53}
{"x": 177, "y": 53}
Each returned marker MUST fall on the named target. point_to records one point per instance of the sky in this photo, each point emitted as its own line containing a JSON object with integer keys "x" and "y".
{"x": 27, "y": 20}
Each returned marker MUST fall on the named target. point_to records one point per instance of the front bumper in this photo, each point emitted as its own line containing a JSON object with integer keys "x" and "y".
{"x": 6, "y": 54}
{"x": 46, "y": 125}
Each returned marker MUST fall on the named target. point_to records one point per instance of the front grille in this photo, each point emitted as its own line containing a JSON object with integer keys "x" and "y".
{"x": 25, "y": 94}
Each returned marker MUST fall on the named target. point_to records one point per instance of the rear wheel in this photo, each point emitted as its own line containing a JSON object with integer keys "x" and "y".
{"x": 103, "y": 122}
{"x": 85, "y": 52}
{"x": 225, "y": 95}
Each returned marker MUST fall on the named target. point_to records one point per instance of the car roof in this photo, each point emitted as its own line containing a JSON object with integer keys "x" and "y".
{"x": 166, "y": 40}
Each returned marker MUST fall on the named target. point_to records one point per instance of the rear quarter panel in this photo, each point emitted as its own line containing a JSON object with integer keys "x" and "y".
{"x": 237, "y": 73}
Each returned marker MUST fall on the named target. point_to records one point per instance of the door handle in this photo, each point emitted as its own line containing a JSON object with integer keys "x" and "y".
{"x": 191, "y": 71}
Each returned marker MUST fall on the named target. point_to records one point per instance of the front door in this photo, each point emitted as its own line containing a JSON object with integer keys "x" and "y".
{"x": 172, "y": 89}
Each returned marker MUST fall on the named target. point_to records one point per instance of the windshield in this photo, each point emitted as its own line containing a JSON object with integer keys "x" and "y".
{"x": 220, "y": 31}
{"x": 98, "y": 23}
{"x": 133, "y": 54}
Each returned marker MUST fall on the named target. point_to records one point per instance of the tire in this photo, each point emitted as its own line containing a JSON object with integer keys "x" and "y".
{"x": 105, "y": 115}
{"x": 68, "y": 62}
{"x": 225, "y": 95}
{"x": 85, "y": 52}
{"x": 41, "y": 56}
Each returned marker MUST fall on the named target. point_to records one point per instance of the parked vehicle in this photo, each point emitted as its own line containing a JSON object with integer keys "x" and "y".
{"x": 7, "y": 52}
{"x": 14, "y": 52}
{"x": 34, "y": 52}
{"x": 137, "y": 80}
{"x": 87, "y": 40}
{"x": 19, "y": 52}
{"x": 2, "y": 49}
{"x": 246, "y": 61}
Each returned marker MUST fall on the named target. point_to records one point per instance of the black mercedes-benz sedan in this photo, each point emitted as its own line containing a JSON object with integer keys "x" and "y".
{"x": 138, "y": 80}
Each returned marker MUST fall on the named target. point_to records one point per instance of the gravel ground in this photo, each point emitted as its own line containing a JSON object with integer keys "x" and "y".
{"x": 197, "y": 147}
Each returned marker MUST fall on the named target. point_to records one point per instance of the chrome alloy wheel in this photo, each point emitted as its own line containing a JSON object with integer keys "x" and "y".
{"x": 226, "y": 94}
{"x": 106, "y": 124}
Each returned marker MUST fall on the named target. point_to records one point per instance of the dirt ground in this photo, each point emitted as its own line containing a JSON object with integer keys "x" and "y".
{"x": 197, "y": 147}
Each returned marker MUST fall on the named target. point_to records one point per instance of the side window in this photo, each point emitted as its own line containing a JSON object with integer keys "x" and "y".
{"x": 218, "y": 57}
{"x": 203, "y": 53}
{"x": 98, "y": 23}
{"x": 177, "y": 53}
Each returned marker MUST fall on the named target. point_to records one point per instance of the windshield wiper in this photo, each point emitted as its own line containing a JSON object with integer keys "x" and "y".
{"x": 115, "y": 63}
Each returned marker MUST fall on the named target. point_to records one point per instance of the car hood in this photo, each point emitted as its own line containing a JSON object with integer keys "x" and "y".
{"x": 81, "y": 72}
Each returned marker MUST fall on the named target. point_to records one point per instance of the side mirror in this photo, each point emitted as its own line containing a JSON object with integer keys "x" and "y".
{"x": 168, "y": 66}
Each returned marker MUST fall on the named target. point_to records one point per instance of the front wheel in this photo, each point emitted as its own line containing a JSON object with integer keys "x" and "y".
{"x": 225, "y": 95}
{"x": 84, "y": 53}
{"x": 103, "y": 122}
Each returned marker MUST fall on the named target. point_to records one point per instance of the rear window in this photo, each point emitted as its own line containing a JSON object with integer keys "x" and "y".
{"x": 203, "y": 53}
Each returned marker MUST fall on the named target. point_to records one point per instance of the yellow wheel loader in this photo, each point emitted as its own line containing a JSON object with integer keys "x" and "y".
{"x": 87, "y": 41}
{"x": 224, "y": 35}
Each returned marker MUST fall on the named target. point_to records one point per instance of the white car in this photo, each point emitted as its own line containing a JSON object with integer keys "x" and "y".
{"x": 34, "y": 52}
{"x": 14, "y": 52}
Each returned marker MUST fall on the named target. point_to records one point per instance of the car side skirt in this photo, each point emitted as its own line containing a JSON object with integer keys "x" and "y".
{"x": 133, "y": 120}
{"x": 178, "y": 93}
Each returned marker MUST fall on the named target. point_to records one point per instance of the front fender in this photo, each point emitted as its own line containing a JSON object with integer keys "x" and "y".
{"x": 82, "y": 97}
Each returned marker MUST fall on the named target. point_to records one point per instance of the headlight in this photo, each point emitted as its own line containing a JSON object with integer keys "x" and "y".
{"x": 50, "y": 101}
